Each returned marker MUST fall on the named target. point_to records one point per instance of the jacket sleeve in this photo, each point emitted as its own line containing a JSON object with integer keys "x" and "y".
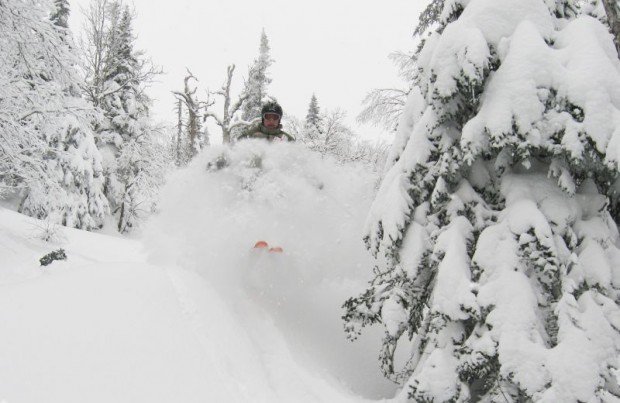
{"x": 246, "y": 133}
{"x": 289, "y": 137}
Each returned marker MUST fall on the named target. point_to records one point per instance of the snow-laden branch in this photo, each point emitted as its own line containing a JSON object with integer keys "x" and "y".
{"x": 52, "y": 111}
{"x": 217, "y": 119}
{"x": 383, "y": 107}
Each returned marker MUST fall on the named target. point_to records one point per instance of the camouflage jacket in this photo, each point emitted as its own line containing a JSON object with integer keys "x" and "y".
{"x": 258, "y": 131}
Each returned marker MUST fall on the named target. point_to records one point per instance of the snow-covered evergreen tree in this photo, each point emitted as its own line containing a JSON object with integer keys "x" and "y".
{"x": 133, "y": 158}
{"x": 256, "y": 84}
{"x": 75, "y": 196}
{"x": 495, "y": 216}
{"x": 78, "y": 161}
{"x": 313, "y": 117}
{"x": 48, "y": 152}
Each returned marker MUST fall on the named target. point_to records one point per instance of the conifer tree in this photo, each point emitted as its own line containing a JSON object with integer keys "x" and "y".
{"x": 501, "y": 279}
{"x": 78, "y": 160}
{"x": 313, "y": 117}
{"x": 135, "y": 160}
{"x": 258, "y": 79}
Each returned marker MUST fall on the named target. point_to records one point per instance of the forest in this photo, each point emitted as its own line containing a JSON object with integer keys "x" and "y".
{"x": 470, "y": 254}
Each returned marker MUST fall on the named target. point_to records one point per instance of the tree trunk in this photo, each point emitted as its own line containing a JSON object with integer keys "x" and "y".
{"x": 179, "y": 133}
{"x": 121, "y": 218}
{"x": 612, "y": 9}
{"x": 193, "y": 130}
{"x": 227, "y": 115}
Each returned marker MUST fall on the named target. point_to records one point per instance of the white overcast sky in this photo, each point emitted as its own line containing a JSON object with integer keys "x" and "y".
{"x": 337, "y": 49}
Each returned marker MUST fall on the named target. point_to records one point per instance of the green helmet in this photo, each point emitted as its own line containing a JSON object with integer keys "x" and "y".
{"x": 271, "y": 107}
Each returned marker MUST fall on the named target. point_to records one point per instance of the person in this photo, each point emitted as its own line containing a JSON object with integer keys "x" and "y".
{"x": 270, "y": 127}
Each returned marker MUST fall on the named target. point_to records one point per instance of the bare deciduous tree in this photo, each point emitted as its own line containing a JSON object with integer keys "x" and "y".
{"x": 383, "y": 106}
{"x": 99, "y": 46}
{"x": 194, "y": 108}
{"x": 225, "y": 121}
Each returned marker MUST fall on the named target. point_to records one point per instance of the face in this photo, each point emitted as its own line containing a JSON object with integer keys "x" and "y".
{"x": 271, "y": 120}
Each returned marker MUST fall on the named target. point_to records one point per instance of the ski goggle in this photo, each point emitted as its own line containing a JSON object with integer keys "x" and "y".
{"x": 271, "y": 116}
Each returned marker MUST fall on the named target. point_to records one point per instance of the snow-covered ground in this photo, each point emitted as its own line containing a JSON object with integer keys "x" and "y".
{"x": 188, "y": 311}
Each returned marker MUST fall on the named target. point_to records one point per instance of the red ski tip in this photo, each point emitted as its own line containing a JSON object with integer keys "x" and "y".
{"x": 276, "y": 249}
{"x": 261, "y": 245}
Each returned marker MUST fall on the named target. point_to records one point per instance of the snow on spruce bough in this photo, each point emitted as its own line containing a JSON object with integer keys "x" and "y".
{"x": 498, "y": 212}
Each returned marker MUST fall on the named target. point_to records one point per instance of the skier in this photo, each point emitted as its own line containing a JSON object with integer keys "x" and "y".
{"x": 270, "y": 127}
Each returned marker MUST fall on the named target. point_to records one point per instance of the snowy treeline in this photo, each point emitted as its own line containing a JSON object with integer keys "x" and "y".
{"x": 75, "y": 147}
{"x": 324, "y": 132}
{"x": 236, "y": 113}
{"x": 497, "y": 216}
{"x": 327, "y": 133}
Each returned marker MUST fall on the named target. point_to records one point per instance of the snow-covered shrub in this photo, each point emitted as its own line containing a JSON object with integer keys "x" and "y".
{"x": 49, "y": 230}
{"x": 330, "y": 136}
{"x": 496, "y": 213}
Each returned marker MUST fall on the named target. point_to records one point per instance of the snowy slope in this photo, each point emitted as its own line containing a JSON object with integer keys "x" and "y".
{"x": 312, "y": 207}
{"x": 195, "y": 315}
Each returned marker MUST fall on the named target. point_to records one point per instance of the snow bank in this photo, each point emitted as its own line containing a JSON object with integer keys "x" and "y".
{"x": 105, "y": 326}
